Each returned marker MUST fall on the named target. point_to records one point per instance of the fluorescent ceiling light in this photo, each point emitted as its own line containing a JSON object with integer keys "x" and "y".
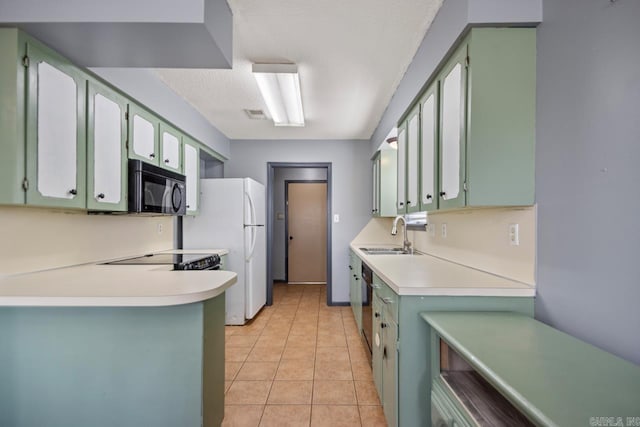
{"x": 280, "y": 88}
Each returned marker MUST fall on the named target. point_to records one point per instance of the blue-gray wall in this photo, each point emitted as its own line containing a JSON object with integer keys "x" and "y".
{"x": 351, "y": 194}
{"x": 587, "y": 175}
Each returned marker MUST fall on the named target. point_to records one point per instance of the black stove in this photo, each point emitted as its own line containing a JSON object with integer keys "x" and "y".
{"x": 179, "y": 261}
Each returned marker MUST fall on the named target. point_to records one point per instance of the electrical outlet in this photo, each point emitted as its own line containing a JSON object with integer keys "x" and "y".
{"x": 444, "y": 231}
{"x": 160, "y": 228}
{"x": 514, "y": 234}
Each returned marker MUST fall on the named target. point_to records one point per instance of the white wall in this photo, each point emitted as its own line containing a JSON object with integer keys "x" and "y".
{"x": 351, "y": 195}
{"x": 278, "y": 264}
{"x": 38, "y": 239}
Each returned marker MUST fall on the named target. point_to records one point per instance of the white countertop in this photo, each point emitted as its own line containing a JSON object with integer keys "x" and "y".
{"x": 97, "y": 285}
{"x": 428, "y": 275}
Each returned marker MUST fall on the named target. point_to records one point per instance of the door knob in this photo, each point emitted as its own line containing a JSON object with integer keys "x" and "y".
{"x": 290, "y": 237}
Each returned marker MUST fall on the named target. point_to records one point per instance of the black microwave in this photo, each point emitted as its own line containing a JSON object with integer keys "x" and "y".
{"x": 153, "y": 190}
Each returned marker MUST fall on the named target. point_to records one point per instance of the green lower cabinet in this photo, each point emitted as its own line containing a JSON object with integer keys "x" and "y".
{"x": 401, "y": 363}
{"x": 355, "y": 288}
{"x": 113, "y": 366}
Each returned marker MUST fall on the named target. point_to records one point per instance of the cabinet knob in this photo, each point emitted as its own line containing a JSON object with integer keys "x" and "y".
{"x": 73, "y": 191}
{"x": 188, "y": 206}
{"x": 167, "y": 161}
{"x": 401, "y": 203}
{"x": 350, "y": 268}
{"x": 101, "y": 196}
{"x": 152, "y": 155}
{"x": 408, "y": 202}
{"x": 443, "y": 193}
{"x": 428, "y": 196}
{"x": 376, "y": 315}
{"x": 357, "y": 278}
{"x": 383, "y": 325}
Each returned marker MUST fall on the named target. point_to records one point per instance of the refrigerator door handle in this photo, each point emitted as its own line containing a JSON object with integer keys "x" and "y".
{"x": 252, "y": 221}
{"x": 252, "y": 208}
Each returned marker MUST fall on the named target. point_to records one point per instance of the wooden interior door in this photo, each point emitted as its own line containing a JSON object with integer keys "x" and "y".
{"x": 307, "y": 232}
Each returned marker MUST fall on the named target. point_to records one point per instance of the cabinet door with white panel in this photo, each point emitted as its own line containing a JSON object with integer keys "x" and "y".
{"x": 170, "y": 148}
{"x": 429, "y": 149}
{"x": 56, "y": 130}
{"x": 106, "y": 148}
{"x": 192, "y": 174}
{"x": 452, "y": 133}
{"x": 143, "y": 135}
{"x": 413, "y": 159}
{"x": 401, "y": 196}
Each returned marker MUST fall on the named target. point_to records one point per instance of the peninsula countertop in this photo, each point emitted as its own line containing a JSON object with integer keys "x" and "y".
{"x": 424, "y": 274}
{"x": 99, "y": 285}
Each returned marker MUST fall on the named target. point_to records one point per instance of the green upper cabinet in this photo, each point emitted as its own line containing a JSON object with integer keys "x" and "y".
{"x": 401, "y": 195}
{"x": 192, "y": 174}
{"x": 170, "y": 148}
{"x": 143, "y": 135}
{"x": 384, "y": 182}
{"x": 413, "y": 160}
{"x": 106, "y": 148}
{"x": 56, "y": 129}
{"x": 501, "y": 103}
{"x": 476, "y": 126}
{"x": 452, "y": 130}
{"x": 429, "y": 149}
{"x": 12, "y": 118}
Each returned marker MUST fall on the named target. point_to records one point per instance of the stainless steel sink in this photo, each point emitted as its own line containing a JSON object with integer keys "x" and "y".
{"x": 386, "y": 251}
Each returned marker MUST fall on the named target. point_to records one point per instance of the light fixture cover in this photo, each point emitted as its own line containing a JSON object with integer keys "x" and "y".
{"x": 279, "y": 85}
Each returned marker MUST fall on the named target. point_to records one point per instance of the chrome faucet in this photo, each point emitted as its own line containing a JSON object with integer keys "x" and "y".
{"x": 406, "y": 245}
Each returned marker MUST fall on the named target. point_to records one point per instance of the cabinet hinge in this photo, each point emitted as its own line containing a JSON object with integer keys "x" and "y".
{"x": 464, "y": 186}
{"x": 466, "y": 62}
{"x": 126, "y": 115}
{"x": 25, "y": 184}
{"x": 25, "y": 61}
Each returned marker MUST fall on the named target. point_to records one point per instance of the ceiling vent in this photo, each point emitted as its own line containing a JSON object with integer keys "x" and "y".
{"x": 256, "y": 114}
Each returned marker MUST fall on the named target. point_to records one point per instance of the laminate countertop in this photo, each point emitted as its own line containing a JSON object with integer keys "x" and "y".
{"x": 99, "y": 285}
{"x": 424, "y": 274}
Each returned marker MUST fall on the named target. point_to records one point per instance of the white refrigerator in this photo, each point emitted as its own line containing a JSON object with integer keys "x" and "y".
{"x": 232, "y": 216}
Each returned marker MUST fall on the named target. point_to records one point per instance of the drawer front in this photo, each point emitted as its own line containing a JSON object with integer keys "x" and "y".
{"x": 389, "y": 298}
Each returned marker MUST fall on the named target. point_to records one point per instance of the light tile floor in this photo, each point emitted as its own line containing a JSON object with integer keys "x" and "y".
{"x": 299, "y": 363}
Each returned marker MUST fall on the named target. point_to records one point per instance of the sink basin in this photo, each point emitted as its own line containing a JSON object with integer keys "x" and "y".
{"x": 386, "y": 251}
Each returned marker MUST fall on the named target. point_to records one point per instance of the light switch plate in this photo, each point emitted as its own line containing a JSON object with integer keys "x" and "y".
{"x": 514, "y": 234}
{"x": 336, "y": 218}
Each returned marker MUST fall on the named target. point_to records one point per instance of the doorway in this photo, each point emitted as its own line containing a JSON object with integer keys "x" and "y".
{"x": 278, "y": 249}
{"x": 306, "y": 232}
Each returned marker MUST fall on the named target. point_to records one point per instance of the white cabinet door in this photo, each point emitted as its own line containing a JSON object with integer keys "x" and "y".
{"x": 428, "y": 157}
{"x": 107, "y": 150}
{"x": 170, "y": 150}
{"x": 57, "y": 133}
{"x": 143, "y": 135}
{"x": 402, "y": 161}
{"x": 375, "y": 210}
{"x": 191, "y": 172}
{"x": 453, "y": 145}
{"x": 413, "y": 139}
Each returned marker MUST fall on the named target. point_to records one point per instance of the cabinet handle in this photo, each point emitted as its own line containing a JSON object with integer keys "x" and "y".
{"x": 101, "y": 196}
{"x": 428, "y": 196}
{"x": 387, "y": 300}
{"x": 384, "y": 352}
{"x": 167, "y": 161}
{"x": 443, "y": 193}
{"x": 73, "y": 191}
{"x": 152, "y": 155}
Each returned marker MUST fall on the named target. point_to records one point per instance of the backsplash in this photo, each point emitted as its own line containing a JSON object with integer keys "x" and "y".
{"x": 477, "y": 238}
{"x": 38, "y": 239}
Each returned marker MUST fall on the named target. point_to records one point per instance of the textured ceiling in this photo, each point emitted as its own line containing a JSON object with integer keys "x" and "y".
{"x": 351, "y": 55}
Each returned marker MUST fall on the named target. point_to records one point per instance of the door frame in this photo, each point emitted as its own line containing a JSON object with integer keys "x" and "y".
{"x": 271, "y": 167}
{"x": 286, "y": 216}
